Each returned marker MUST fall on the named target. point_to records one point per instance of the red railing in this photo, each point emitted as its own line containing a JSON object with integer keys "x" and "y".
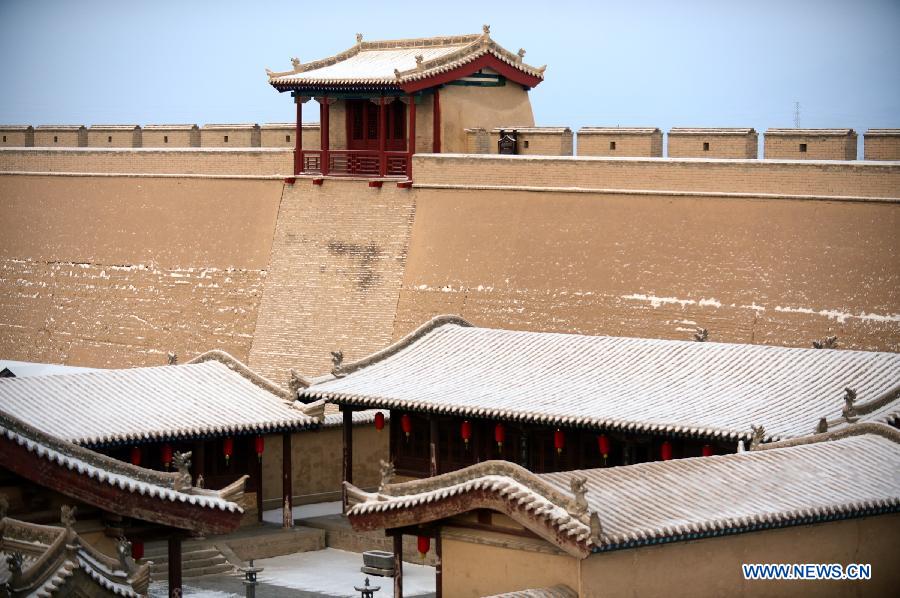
{"x": 369, "y": 163}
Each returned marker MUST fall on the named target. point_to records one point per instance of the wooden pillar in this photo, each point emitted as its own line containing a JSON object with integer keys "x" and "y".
{"x": 382, "y": 137}
{"x": 198, "y": 459}
{"x": 398, "y": 565}
{"x": 257, "y": 471}
{"x": 174, "y": 565}
{"x": 347, "y": 462}
{"x": 411, "y": 145}
{"x": 323, "y": 130}
{"x": 438, "y": 565}
{"x": 287, "y": 489}
{"x": 433, "y": 438}
{"x": 437, "y": 121}
{"x": 298, "y": 141}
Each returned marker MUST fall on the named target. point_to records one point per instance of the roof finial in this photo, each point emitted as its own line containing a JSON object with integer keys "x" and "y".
{"x": 759, "y": 434}
{"x": 822, "y": 426}
{"x": 359, "y": 38}
{"x": 172, "y": 357}
{"x": 701, "y": 335}
{"x": 577, "y": 485}
{"x": 387, "y": 474}
{"x": 296, "y": 62}
{"x": 829, "y": 342}
{"x": 419, "y": 60}
{"x": 182, "y": 463}
{"x": 849, "y": 412}
{"x": 337, "y": 358}
{"x": 521, "y": 54}
{"x": 397, "y": 73}
{"x": 67, "y": 516}
{"x": 486, "y": 29}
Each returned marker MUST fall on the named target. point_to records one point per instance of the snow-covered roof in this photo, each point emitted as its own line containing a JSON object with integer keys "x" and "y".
{"x": 15, "y": 127}
{"x": 53, "y": 555}
{"x": 114, "y": 127}
{"x": 839, "y": 474}
{"x": 175, "y": 127}
{"x": 59, "y": 127}
{"x": 711, "y": 131}
{"x": 395, "y": 62}
{"x": 22, "y": 444}
{"x": 559, "y": 591}
{"x": 714, "y": 390}
{"x": 812, "y": 132}
{"x": 882, "y": 133}
{"x": 25, "y": 369}
{"x": 235, "y": 126}
{"x": 214, "y": 395}
{"x": 618, "y": 130}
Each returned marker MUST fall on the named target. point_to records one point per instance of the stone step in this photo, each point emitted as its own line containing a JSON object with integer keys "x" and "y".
{"x": 188, "y": 564}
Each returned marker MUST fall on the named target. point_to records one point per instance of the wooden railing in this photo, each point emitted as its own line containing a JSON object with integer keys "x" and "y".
{"x": 366, "y": 163}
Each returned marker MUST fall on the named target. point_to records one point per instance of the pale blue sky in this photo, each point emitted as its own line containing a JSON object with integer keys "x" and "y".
{"x": 663, "y": 63}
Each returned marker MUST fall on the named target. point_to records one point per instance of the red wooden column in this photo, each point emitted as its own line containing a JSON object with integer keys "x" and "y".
{"x": 382, "y": 134}
{"x": 437, "y": 121}
{"x": 298, "y": 141}
{"x": 398, "y": 564}
{"x": 411, "y": 145}
{"x": 323, "y": 125}
{"x": 287, "y": 488}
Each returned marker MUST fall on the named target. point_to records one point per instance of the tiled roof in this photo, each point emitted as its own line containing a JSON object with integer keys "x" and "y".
{"x": 59, "y": 127}
{"x": 559, "y": 591}
{"x": 393, "y": 62}
{"x": 15, "y": 127}
{"x": 215, "y": 396}
{"x": 882, "y": 132}
{"x": 52, "y": 555}
{"x": 112, "y": 472}
{"x": 176, "y": 127}
{"x": 711, "y": 131}
{"x": 230, "y": 126}
{"x": 618, "y": 130}
{"x": 664, "y": 386}
{"x": 836, "y": 475}
{"x": 812, "y": 132}
{"x": 114, "y": 127}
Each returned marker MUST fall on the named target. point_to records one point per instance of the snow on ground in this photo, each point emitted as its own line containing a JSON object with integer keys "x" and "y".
{"x": 160, "y": 590}
{"x": 335, "y": 572}
{"x": 305, "y": 511}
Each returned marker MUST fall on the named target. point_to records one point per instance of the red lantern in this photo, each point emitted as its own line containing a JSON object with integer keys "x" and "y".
{"x": 260, "y": 447}
{"x": 135, "y": 455}
{"x": 379, "y": 421}
{"x": 137, "y": 549}
{"x": 167, "y": 454}
{"x": 665, "y": 451}
{"x": 499, "y": 435}
{"x": 406, "y": 424}
{"x": 228, "y": 448}
{"x": 465, "y": 430}
{"x": 707, "y": 450}
{"x": 559, "y": 441}
{"x": 603, "y": 445}
{"x": 424, "y": 545}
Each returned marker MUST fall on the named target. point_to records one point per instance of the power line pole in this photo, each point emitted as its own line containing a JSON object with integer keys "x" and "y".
{"x": 796, "y": 115}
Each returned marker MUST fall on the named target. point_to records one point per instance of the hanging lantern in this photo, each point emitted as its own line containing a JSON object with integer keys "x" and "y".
{"x": 406, "y": 424}
{"x": 603, "y": 445}
{"x": 499, "y": 435}
{"x": 424, "y": 545}
{"x": 559, "y": 441}
{"x": 465, "y": 430}
{"x": 167, "y": 454}
{"x": 137, "y": 549}
{"x": 135, "y": 455}
{"x": 228, "y": 448}
{"x": 379, "y": 421}
{"x": 260, "y": 447}
{"x": 707, "y": 450}
{"x": 665, "y": 451}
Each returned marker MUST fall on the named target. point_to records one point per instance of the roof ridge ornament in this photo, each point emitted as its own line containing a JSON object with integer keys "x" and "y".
{"x": 578, "y": 485}
{"x": 296, "y": 63}
{"x": 829, "y": 342}
{"x": 822, "y": 426}
{"x": 419, "y": 62}
{"x": 596, "y": 528}
{"x": 701, "y": 335}
{"x": 172, "y": 358}
{"x": 486, "y": 29}
{"x": 757, "y": 437}
{"x": 359, "y": 38}
{"x": 849, "y": 411}
{"x": 337, "y": 359}
{"x": 182, "y": 462}
{"x": 67, "y": 516}
{"x": 387, "y": 474}
{"x": 521, "y": 54}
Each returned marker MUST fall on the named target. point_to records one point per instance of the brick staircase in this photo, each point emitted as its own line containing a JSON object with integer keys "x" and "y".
{"x": 198, "y": 558}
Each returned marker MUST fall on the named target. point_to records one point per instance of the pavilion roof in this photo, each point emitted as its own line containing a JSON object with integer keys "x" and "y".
{"x": 715, "y": 390}
{"x": 836, "y": 475}
{"x": 214, "y": 395}
{"x": 397, "y": 64}
{"x": 118, "y": 487}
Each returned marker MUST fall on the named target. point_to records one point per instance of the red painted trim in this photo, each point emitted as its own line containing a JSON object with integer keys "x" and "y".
{"x": 376, "y": 184}
{"x": 488, "y": 60}
{"x": 411, "y": 144}
{"x": 290, "y": 180}
{"x": 318, "y": 181}
{"x": 324, "y": 126}
{"x": 404, "y": 185}
{"x": 436, "y": 125}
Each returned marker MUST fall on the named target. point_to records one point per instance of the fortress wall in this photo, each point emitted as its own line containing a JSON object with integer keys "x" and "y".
{"x": 338, "y": 258}
{"x": 253, "y": 162}
{"x": 856, "y": 179}
{"x": 116, "y": 271}
{"x": 657, "y": 264}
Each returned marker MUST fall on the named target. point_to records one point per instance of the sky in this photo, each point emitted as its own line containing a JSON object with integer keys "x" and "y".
{"x": 631, "y": 63}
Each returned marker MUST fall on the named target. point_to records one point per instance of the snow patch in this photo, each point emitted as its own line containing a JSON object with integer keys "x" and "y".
{"x": 840, "y": 316}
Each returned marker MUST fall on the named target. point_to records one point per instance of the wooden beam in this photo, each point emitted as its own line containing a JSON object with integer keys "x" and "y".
{"x": 398, "y": 565}
{"x": 174, "y": 565}
{"x": 485, "y": 61}
{"x": 347, "y": 461}
{"x": 287, "y": 489}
